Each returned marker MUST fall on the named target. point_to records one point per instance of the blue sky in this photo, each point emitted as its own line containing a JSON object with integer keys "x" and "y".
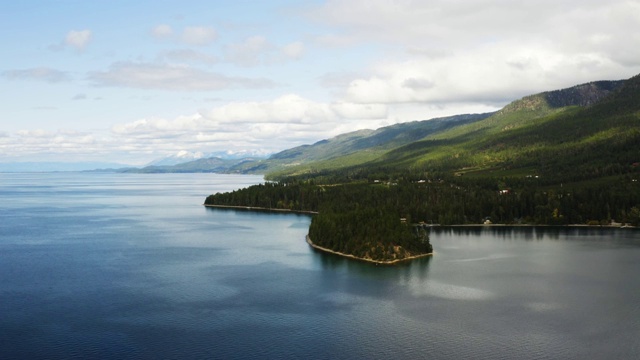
{"x": 133, "y": 81}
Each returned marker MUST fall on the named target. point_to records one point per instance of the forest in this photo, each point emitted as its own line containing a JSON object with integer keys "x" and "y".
{"x": 531, "y": 163}
{"x": 382, "y": 219}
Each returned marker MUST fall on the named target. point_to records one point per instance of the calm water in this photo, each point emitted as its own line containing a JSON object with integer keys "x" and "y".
{"x": 133, "y": 266}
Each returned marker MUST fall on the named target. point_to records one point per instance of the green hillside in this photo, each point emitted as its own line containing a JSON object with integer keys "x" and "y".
{"x": 562, "y": 157}
{"x": 541, "y": 133}
{"x": 353, "y": 148}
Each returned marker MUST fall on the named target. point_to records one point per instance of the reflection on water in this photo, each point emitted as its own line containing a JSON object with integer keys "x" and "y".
{"x": 133, "y": 266}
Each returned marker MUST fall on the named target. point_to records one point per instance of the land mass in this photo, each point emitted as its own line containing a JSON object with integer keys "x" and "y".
{"x": 561, "y": 157}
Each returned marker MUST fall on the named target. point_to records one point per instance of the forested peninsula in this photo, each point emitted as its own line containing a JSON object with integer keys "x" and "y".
{"x": 563, "y": 157}
{"x": 349, "y": 219}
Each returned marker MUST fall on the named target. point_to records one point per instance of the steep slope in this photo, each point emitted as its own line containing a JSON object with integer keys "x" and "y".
{"x": 355, "y": 147}
{"x": 524, "y": 133}
{"x": 557, "y": 158}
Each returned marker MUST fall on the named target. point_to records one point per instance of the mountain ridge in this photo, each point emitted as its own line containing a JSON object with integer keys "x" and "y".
{"x": 489, "y": 142}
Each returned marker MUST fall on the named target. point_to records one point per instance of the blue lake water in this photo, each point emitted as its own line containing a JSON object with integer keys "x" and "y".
{"x": 133, "y": 266}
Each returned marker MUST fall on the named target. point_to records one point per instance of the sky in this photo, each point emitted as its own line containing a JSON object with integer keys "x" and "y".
{"x": 134, "y": 81}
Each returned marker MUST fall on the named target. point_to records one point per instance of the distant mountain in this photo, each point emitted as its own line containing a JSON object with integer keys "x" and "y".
{"x": 184, "y": 156}
{"x": 208, "y": 165}
{"x": 177, "y": 158}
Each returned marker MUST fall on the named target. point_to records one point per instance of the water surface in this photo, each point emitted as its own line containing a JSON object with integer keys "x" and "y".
{"x": 133, "y": 266}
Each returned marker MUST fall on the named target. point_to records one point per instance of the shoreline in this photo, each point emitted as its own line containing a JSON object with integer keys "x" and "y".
{"x": 308, "y": 239}
{"x": 257, "y": 208}
{"x": 376, "y": 262}
{"x": 309, "y": 212}
{"x": 540, "y": 225}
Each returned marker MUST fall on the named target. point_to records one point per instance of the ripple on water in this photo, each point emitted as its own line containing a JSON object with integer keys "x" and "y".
{"x": 450, "y": 291}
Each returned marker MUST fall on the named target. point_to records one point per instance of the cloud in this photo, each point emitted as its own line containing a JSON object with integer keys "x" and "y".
{"x": 78, "y": 39}
{"x": 494, "y": 73}
{"x": 294, "y": 50}
{"x": 265, "y": 126}
{"x": 189, "y": 56}
{"x": 252, "y": 51}
{"x": 171, "y": 77}
{"x": 257, "y": 50}
{"x": 338, "y": 80}
{"x": 199, "y": 35}
{"x": 191, "y": 35}
{"x": 38, "y": 74}
{"x": 251, "y": 126}
{"x": 490, "y": 51}
{"x": 38, "y": 133}
{"x": 39, "y": 143}
{"x": 162, "y": 31}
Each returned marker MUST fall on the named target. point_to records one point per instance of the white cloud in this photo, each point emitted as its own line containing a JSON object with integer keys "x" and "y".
{"x": 199, "y": 35}
{"x": 40, "y": 74}
{"x": 252, "y": 51}
{"x": 288, "y": 108}
{"x": 495, "y": 73}
{"x": 39, "y": 143}
{"x": 360, "y": 111}
{"x": 162, "y": 31}
{"x": 294, "y": 50}
{"x": 78, "y": 39}
{"x": 171, "y": 77}
{"x": 38, "y": 133}
{"x": 189, "y": 56}
{"x": 258, "y": 50}
{"x": 485, "y": 51}
{"x": 191, "y": 35}
{"x": 263, "y": 126}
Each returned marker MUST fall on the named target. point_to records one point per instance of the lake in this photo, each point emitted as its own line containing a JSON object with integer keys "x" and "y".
{"x": 133, "y": 266}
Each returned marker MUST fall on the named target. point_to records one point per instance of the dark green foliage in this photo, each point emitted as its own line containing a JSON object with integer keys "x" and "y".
{"x": 533, "y": 162}
{"x": 368, "y": 233}
{"x": 357, "y": 219}
{"x": 353, "y": 148}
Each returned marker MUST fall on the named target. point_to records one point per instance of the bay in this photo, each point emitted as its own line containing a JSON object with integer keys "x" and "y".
{"x": 133, "y": 266}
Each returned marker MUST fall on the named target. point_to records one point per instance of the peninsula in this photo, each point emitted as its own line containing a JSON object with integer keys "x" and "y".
{"x": 561, "y": 157}
{"x": 344, "y": 222}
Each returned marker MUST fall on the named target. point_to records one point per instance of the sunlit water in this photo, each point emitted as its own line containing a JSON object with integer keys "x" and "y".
{"x": 133, "y": 266}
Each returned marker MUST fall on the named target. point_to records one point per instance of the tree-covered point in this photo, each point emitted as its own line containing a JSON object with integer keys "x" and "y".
{"x": 369, "y": 233}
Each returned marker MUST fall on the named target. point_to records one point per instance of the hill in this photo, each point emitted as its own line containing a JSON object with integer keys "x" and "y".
{"x": 569, "y": 156}
{"x": 353, "y": 148}
{"x": 521, "y": 136}
{"x": 208, "y": 165}
{"x": 555, "y": 133}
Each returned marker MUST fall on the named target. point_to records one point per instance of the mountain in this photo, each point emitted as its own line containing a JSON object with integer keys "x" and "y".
{"x": 208, "y": 165}
{"x": 563, "y": 157}
{"x": 538, "y": 133}
{"x": 184, "y": 156}
{"x": 535, "y": 133}
{"x": 177, "y": 158}
{"x": 355, "y": 147}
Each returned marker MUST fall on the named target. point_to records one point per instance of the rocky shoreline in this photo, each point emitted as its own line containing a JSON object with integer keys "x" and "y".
{"x": 377, "y": 262}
